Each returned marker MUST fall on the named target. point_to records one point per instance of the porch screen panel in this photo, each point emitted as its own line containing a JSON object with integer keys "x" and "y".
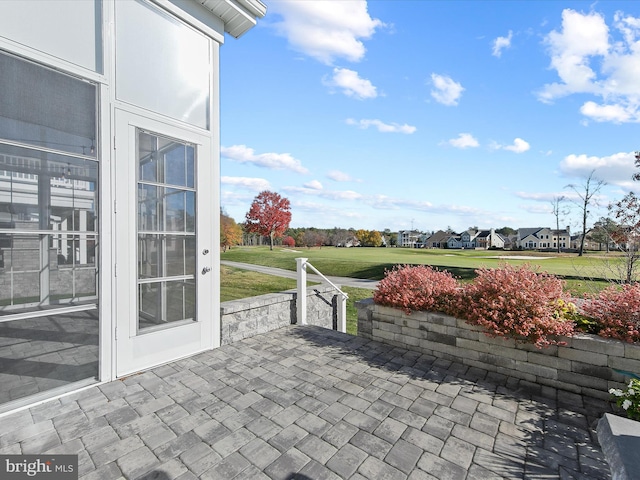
{"x": 44, "y": 108}
{"x": 49, "y": 237}
{"x": 48, "y": 229}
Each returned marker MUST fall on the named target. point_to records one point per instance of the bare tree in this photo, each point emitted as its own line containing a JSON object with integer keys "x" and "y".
{"x": 557, "y": 211}
{"x": 627, "y": 235}
{"x": 586, "y": 193}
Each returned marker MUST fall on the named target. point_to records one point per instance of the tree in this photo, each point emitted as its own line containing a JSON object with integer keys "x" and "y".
{"x": 506, "y": 231}
{"x": 586, "y": 193}
{"x": 604, "y": 231}
{"x": 230, "y": 231}
{"x": 269, "y": 215}
{"x": 313, "y": 238}
{"x": 369, "y": 238}
{"x": 627, "y": 235}
{"x": 557, "y": 211}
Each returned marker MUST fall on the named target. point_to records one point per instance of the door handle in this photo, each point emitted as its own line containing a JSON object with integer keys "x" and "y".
{"x": 206, "y": 270}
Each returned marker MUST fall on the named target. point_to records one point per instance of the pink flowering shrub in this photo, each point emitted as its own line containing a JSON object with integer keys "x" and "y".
{"x": 518, "y": 302}
{"x": 617, "y": 310}
{"x": 416, "y": 288}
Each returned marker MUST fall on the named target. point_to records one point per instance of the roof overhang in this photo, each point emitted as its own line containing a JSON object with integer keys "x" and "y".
{"x": 239, "y": 16}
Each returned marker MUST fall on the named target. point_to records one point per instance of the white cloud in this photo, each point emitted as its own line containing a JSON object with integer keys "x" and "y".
{"x": 608, "y": 113}
{"x": 274, "y": 161}
{"x": 381, "y": 126}
{"x": 351, "y": 84}
{"x": 328, "y": 194}
{"x": 547, "y": 196}
{"x": 338, "y": 176}
{"x": 383, "y": 202}
{"x": 615, "y": 169}
{"x": 464, "y": 140}
{"x": 545, "y": 209}
{"x": 590, "y": 57}
{"x": 519, "y": 146}
{"x": 446, "y": 90}
{"x": 500, "y": 44}
{"x": 389, "y": 203}
{"x": 314, "y": 184}
{"x": 326, "y": 30}
{"x": 255, "y": 184}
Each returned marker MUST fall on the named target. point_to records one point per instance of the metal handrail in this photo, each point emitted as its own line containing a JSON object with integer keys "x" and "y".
{"x": 327, "y": 280}
{"x": 301, "y": 269}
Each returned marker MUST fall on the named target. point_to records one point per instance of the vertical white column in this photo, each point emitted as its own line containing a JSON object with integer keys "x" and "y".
{"x": 342, "y": 313}
{"x": 301, "y": 302}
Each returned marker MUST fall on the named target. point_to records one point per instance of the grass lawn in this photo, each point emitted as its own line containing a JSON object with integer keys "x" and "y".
{"x": 583, "y": 274}
{"x": 236, "y": 284}
{"x": 355, "y": 294}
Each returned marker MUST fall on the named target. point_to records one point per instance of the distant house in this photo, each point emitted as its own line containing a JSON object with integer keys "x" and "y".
{"x": 486, "y": 239}
{"x": 542, "y": 238}
{"x": 510, "y": 242}
{"x": 590, "y": 244}
{"x": 454, "y": 241}
{"x": 476, "y": 239}
{"x": 408, "y": 238}
{"x": 438, "y": 239}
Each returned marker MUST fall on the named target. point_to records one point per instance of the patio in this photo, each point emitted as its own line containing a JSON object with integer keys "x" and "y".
{"x": 311, "y": 403}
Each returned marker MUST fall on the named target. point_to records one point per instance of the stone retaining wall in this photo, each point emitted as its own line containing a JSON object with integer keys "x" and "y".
{"x": 587, "y": 365}
{"x": 251, "y": 316}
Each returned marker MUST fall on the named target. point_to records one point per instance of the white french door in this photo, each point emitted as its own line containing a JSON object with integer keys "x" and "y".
{"x": 163, "y": 224}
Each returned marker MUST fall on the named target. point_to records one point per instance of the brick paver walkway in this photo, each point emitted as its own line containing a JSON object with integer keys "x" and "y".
{"x": 309, "y": 403}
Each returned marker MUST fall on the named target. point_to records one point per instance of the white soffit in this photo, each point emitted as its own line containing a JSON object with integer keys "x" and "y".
{"x": 239, "y": 16}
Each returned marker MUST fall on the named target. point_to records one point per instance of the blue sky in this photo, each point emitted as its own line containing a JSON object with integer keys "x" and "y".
{"x": 431, "y": 114}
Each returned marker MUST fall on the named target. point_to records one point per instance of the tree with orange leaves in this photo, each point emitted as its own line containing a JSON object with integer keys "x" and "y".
{"x": 268, "y": 216}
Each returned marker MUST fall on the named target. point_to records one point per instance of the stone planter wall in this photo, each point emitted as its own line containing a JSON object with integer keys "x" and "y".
{"x": 247, "y": 317}
{"x": 587, "y": 365}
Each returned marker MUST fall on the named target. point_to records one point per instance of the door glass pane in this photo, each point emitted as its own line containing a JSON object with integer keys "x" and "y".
{"x": 148, "y": 256}
{"x": 175, "y": 261}
{"x": 176, "y": 165}
{"x": 190, "y": 169}
{"x": 146, "y": 161}
{"x": 190, "y": 211}
{"x": 175, "y": 210}
{"x": 166, "y": 231}
{"x": 149, "y": 208}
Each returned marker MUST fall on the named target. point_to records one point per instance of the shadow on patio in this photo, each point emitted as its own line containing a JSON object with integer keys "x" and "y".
{"x": 306, "y": 402}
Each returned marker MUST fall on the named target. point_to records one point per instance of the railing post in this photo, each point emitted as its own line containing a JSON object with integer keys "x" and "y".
{"x": 301, "y": 301}
{"x": 342, "y": 313}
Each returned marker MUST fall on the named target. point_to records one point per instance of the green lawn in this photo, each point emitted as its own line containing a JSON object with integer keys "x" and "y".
{"x": 236, "y": 284}
{"x": 582, "y": 274}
